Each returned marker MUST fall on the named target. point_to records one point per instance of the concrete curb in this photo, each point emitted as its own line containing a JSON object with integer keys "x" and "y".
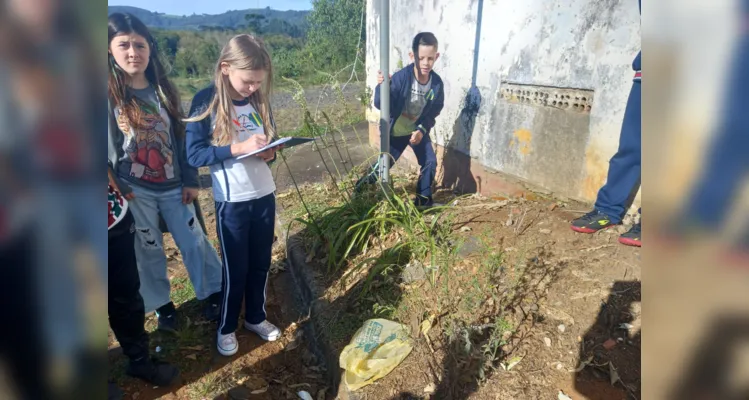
{"x": 306, "y": 299}
{"x": 307, "y": 296}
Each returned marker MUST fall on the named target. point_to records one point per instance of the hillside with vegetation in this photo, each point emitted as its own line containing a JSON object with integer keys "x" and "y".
{"x": 233, "y": 19}
{"x": 304, "y": 45}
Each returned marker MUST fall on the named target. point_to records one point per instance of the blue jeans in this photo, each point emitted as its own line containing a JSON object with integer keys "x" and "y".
{"x": 625, "y": 167}
{"x": 424, "y": 155}
{"x": 61, "y": 232}
{"x": 199, "y": 256}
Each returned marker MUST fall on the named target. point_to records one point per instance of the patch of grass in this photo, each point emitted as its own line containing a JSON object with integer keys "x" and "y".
{"x": 182, "y": 290}
{"x": 187, "y": 87}
{"x": 207, "y": 387}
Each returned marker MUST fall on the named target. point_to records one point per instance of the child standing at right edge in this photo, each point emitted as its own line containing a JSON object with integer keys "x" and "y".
{"x": 231, "y": 118}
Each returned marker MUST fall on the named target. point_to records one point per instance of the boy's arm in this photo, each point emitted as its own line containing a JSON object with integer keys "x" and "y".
{"x": 395, "y": 81}
{"x": 377, "y": 96}
{"x": 427, "y": 121}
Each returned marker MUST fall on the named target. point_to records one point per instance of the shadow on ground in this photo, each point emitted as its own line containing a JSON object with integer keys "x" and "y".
{"x": 610, "y": 347}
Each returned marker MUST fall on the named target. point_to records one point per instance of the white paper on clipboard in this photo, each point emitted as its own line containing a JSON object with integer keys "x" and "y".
{"x": 287, "y": 142}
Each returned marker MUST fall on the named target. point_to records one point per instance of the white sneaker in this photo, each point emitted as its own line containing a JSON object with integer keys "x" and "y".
{"x": 265, "y": 330}
{"x": 227, "y": 344}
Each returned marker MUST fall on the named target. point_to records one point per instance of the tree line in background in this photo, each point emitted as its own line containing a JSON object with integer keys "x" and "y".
{"x": 329, "y": 43}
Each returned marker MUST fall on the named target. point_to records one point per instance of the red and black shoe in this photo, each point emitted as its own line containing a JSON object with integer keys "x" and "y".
{"x": 633, "y": 237}
{"x": 591, "y": 222}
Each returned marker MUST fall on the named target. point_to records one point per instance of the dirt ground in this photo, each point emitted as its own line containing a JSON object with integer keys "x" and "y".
{"x": 521, "y": 307}
{"x": 261, "y": 370}
{"x": 570, "y": 304}
{"x": 558, "y": 311}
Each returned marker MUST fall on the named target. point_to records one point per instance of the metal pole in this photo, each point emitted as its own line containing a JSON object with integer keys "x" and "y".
{"x": 479, "y": 14}
{"x": 385, "y": 91}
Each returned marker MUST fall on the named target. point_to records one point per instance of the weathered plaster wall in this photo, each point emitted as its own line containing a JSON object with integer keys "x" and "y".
{"x": 575, "y": 44}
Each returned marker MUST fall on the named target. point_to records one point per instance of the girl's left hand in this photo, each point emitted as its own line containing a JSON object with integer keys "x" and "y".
{"x": 189, "y": 195}
{"x": 270, "y": 154}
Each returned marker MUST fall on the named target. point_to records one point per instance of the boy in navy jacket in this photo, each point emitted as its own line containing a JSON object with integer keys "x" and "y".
{"x": 416, "y": 99}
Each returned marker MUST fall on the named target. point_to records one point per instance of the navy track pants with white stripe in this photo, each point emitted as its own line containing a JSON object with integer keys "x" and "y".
{"x": 245, "y": 230}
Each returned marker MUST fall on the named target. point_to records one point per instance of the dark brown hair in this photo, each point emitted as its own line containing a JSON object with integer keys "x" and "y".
{"x": 423, "y": 39}
{"x": 125, "y": 24}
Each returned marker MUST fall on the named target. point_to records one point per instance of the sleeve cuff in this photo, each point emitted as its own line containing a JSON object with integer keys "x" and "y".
{"x": 223, "y": 152}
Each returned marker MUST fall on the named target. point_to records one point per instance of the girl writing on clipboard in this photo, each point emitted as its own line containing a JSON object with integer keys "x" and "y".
{"x": 229, "y": 119}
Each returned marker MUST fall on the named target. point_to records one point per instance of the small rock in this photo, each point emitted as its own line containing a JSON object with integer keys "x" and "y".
{"x": 547, "y": 341}
{"x": 560, "y": 366}
{"x": 470, "y": 246}
{"x": 158, "y": 349}
{"x": 304, "y": 395}
{"x": 413, "y": 272}
{"x": 509, "y": 220}
{"x": 562, "y": 396}
{"x": 561, "y": 328}
{"x": 430, "y": 389}
{"x": 609, "y": 344}
{"x": 465, "y": 229}
{"x": 545, "y": 231}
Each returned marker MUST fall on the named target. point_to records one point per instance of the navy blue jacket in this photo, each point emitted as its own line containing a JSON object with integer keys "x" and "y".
{"x": 400, "y": 94}
{"x": 637, "y": 63}
{"x": 200, "y": 151}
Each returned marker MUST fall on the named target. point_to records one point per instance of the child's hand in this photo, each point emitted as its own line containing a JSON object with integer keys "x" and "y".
{"x": 381, "y": 78}
{"x": 113, "y": 182}
{"x": 189, "y": 194}
{"x": 270, "y": 154}
{"x": 416, "y": 137}
{"x": 255, "y": 142}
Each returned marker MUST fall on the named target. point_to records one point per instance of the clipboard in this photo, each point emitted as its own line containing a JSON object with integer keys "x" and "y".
{"x": 287, "y": 142}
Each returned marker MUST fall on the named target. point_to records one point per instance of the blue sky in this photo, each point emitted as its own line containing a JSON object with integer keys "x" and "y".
{"x": 187, "y": 7}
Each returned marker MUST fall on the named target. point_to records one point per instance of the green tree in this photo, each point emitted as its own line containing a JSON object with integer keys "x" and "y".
{"x": 334, "y": 31}
{"x": 255, "y": 22}
{"x": 184, "y": 63}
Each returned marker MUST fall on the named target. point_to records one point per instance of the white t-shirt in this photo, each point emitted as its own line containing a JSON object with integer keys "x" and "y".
{"x": 249, "y": 178}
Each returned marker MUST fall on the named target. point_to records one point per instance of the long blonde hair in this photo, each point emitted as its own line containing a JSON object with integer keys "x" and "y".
{"x": 242, "y": 52}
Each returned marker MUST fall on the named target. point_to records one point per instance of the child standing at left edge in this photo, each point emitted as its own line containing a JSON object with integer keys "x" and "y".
{"x": 231, "y": 118}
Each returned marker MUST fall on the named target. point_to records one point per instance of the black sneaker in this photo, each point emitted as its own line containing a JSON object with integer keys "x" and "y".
{"x": 212, "y": 309}
{"x": 423, "y": 202}
{"x": 155, "y": 372}
{"x": 366, "y": 180}
{"x": 167, "y": 316}
{"x": 591, "y": 222}
{"x": 633, "y": 237}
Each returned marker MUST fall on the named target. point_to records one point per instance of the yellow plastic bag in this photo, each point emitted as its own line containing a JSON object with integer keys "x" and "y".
{"x": 376, "y": 349}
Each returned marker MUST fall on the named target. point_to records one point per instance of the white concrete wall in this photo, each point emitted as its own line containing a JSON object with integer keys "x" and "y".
{"x": 584, "y": 44}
